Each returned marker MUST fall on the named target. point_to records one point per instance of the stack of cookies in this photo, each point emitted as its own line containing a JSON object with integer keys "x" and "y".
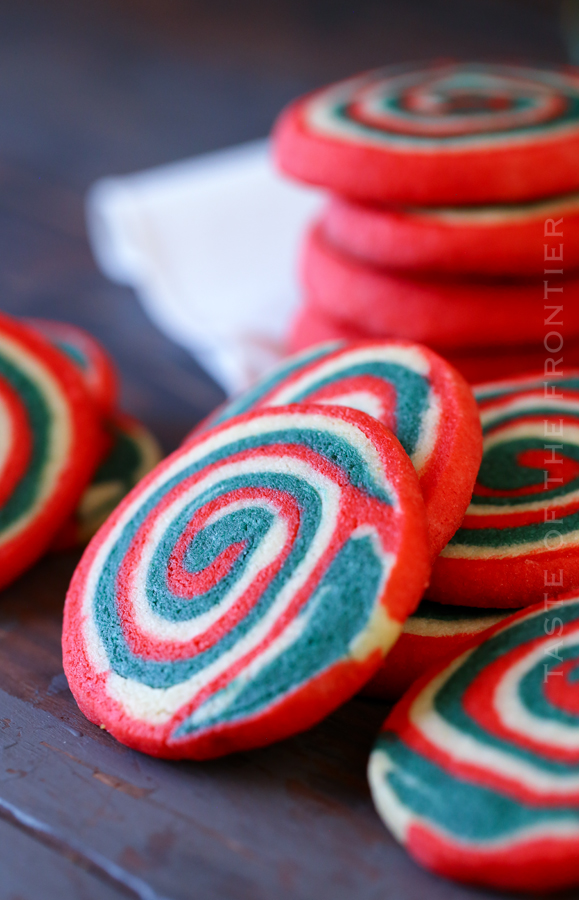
{"x": 452, "y": 218}
{"x": 67, "y": 455}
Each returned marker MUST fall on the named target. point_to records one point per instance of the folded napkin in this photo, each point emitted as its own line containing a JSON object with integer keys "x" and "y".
{"x": 210, "y": 245}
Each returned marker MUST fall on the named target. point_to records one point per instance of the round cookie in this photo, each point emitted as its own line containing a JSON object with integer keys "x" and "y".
{"x": 437, "y": 134}
{"x": 408, "y": 388}
{"x": 483, "y": 240}
{"x": 90, "y": 357}
{"x": 476, "y": 770}
{"x": 520, "y": 535}
{"x": 430, "y": 634}
{"x": 249, "y": 584}
{"x": 132, "y": 454}
{"x": 444, "y": 313}
{"x": 51, "y": 440}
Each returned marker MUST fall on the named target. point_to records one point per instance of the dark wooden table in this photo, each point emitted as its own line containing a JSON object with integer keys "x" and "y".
{"x": 101, "y": 87}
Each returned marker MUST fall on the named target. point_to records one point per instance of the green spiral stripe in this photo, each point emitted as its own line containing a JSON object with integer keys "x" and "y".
{"x": 26, "y": 491}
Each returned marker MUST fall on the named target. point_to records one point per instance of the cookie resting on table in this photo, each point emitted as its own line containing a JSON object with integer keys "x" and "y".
{"x": 437, "y": 134}
{"x": 132, "y": 454}
{"x": 520, "y": 535}
{"x": 445, "y": 313}
{"x": 249, "y": 585}
{"x": 430, "y": 634}
{"x": 51, "y": 440}
{"x": 408, "y": 388}
{"x": 476, "y": 770}
{"x": 90, "y": 357}
{"x": 483, "y": 240}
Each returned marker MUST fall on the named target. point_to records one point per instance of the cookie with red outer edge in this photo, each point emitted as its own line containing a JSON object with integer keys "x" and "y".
{"x": 133, "y": 452}
{"x": 51, "y": 440}
{"x": 249, "y": 584}
{"x": 483, "y": 240}
{"x": 444, "y": 313}
{"x": 476, "y": 770}
{"x": 90, "y": 357}
{"x": 408, "y": 388}
{"x": 437, "y": 134}
{"x": 430, "y": 634}
{"x": 521, "y": 530}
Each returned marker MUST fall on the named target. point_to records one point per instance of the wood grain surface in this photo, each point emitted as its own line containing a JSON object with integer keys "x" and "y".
{"x": 107, "y": 87}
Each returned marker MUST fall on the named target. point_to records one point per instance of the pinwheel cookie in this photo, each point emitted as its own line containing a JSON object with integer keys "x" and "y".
{"x": 409, "y": 389}
{"x": 476, "y": 770}
{"x": 249, "y": 585}
{"x": 51, "y": 440}
{"x": 437, "y": 134}
{"x": 520, "y": 535}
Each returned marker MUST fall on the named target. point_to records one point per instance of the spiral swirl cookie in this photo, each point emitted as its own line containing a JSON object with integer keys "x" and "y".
{"x": 430, "y": 635}
{"x": 442, "y": 133}
{"x": 50, "y": 440}
{"x": 89, "y": 356}
{"x": 408, "y": 388}
{"x": 446, "y": 313}
{"x": 520, "y": 534}
{"x": 132, "y": 454}
{"x": 248, "y": 585}
{"x": 476, "y": 770}
{"x": 483, "y": 240}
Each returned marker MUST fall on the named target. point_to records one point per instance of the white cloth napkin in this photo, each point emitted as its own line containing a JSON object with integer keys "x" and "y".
{"x": 210, "y": 245}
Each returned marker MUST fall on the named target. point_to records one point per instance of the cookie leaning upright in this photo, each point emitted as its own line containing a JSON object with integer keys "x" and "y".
{"x": 249, "y": 585}
{"x": 441, "y": 133}
{"x": 476, "y": 771}
{"x": 51, "y": 440}
{"x": 408, "y": 388}
{"x": 520, "y": 535}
